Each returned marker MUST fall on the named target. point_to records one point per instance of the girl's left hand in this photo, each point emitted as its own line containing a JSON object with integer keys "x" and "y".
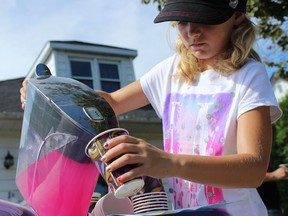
{"x": 151, "y": 161}
{"x": 23, "y": 90}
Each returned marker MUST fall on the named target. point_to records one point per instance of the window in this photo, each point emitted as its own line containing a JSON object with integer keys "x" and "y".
{"x": 81, "y": 71}
{"x": 109, "y": 77}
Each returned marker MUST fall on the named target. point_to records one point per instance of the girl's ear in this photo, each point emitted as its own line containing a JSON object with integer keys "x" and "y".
{"x": 238, "y": 17}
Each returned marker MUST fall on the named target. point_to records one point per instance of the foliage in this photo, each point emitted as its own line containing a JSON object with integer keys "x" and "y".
{"x": 280, "y": 150}
{"x": 271, "y": 23}
{"x": 160, "y": 3}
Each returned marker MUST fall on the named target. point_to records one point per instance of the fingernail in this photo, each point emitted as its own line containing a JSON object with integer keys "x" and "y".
{"x": 105, "y": 145}
{"x": 103, "y": 158}
{"x": 119, "y": 179}
{"x": 108, "y": 168}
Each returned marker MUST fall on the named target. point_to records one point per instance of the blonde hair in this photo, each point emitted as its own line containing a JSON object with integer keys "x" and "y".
{"x": 242, "y": 40}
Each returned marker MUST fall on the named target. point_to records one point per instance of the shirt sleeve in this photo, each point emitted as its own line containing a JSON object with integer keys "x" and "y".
{"x": 257, "y": 91}
{"x": 156, "y": 84}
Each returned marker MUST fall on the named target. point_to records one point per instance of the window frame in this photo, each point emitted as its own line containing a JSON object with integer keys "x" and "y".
{"x": 79, "y": 78}
{"x": 110, "y": 80}
{"x": 96, "y": 77}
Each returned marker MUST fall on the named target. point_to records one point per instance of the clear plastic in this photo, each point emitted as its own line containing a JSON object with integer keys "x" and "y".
{"x": 61, "y": 116}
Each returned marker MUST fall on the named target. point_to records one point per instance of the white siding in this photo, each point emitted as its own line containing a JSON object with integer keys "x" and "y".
{"x": 62, "y": 65}
{"x": 9, "y": 141}
{"x": 280, "y": 89}
{"x": 127, "y": 72}
{"x": 51, "y": 64}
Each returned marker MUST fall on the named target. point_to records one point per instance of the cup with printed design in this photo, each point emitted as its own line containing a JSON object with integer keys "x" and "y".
{"x": 95, "y": 150}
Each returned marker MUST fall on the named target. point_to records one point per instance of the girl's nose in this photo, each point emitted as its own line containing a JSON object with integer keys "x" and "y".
{"x": 193, "y": 30}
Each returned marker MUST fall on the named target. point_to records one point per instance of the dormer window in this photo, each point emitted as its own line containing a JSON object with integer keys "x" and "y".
{"x": 81, "y": 71}
{"x": 107, "y": 73}
{"x": 100, "y": 67}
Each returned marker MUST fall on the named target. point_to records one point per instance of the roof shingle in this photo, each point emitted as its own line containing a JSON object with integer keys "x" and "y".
{"x": 10, "y": 96}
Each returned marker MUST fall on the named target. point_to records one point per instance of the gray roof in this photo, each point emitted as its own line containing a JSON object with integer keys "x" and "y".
{"x": 75, "y": 42}
{"x": 10, "y": 96}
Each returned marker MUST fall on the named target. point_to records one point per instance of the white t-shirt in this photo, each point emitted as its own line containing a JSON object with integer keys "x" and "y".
{"x": 201, "y": 119}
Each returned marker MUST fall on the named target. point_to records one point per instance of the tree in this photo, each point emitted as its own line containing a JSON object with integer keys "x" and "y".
{"x": 272, "y": 19}
{"x": 279, "y": 152}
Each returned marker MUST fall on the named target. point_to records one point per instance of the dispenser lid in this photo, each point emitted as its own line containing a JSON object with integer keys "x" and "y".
{"x": 76, "y": 100}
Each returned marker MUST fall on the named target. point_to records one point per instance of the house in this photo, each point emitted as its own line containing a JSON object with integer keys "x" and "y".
{"x": 280, "y": 86}
{"x": 98, "y": 66}
{"x": 10, "y": 131}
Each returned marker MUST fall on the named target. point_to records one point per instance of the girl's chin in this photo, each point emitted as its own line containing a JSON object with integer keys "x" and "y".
{"x": 199, "y": 54}
{"x": 202, "y": 56}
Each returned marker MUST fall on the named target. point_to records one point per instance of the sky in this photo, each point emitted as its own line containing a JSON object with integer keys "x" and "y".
{"x": 27, "y": 25}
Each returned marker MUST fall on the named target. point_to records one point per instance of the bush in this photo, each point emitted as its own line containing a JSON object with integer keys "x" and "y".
{"x": 280, "y": 151}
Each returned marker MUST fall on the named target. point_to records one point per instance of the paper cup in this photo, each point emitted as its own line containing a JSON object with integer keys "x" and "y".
{"x": 149, "y": 195}
{"x": 110, "y": 205}
{"x": 143, "y": 202}
{"x": 150, "y": 202}
{"x": 95, "y": 151}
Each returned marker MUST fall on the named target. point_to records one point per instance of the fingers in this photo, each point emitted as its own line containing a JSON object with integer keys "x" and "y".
{"x": 23, "y": 90}
{"x": 23, "y": 106}
{"x": 285, "y": 170}
{"x": 125, "y": 151}
{"x": 123, "y": 160}
{"x": 120, "y": 139}
{"x": 281, "y": 173}
{"x": 132, "y": 174}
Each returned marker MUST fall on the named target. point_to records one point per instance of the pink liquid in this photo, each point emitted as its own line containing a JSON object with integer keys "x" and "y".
{"x": 58, "y": 186}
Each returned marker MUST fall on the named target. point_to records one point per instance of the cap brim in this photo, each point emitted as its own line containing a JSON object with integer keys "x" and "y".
{"x": 194, "y": 13}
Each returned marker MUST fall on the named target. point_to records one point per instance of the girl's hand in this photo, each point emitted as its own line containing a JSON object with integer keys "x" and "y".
{"x": 281, "y": 173}
{"x": 130, "y": 150}
{"x": 23, "y": 93}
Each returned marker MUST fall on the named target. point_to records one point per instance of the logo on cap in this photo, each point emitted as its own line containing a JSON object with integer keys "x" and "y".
{"x": 233, "y": 3}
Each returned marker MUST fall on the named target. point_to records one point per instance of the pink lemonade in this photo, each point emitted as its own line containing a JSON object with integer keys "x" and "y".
{"x": 56, "y": 185}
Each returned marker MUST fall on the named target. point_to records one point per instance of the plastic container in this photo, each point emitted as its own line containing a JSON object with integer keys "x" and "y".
{"x": 61, "y": 116}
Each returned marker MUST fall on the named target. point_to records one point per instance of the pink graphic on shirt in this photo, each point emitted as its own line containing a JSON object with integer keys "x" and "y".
{"x": 180, "y": 200}
{"x": 192, "y": 190}
{"x": 212, "y": 194}
{"x": 195, "y": 125}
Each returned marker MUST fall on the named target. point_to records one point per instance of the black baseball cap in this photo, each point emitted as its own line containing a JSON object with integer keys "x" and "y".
{"x": 209, "y": 12}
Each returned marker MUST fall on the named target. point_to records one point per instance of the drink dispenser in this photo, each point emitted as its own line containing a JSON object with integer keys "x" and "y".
{"x": 61, "y": 116}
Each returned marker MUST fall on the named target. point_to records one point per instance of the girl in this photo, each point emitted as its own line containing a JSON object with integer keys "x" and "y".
{"x": 216, "y": 105}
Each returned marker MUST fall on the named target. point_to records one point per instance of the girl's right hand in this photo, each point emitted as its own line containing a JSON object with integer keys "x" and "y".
{"x": 152, "y": 161}
{"x": 23, "y": 93}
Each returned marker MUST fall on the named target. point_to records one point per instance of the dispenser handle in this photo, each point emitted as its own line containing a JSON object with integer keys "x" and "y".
{"x": 42, "y": 71}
